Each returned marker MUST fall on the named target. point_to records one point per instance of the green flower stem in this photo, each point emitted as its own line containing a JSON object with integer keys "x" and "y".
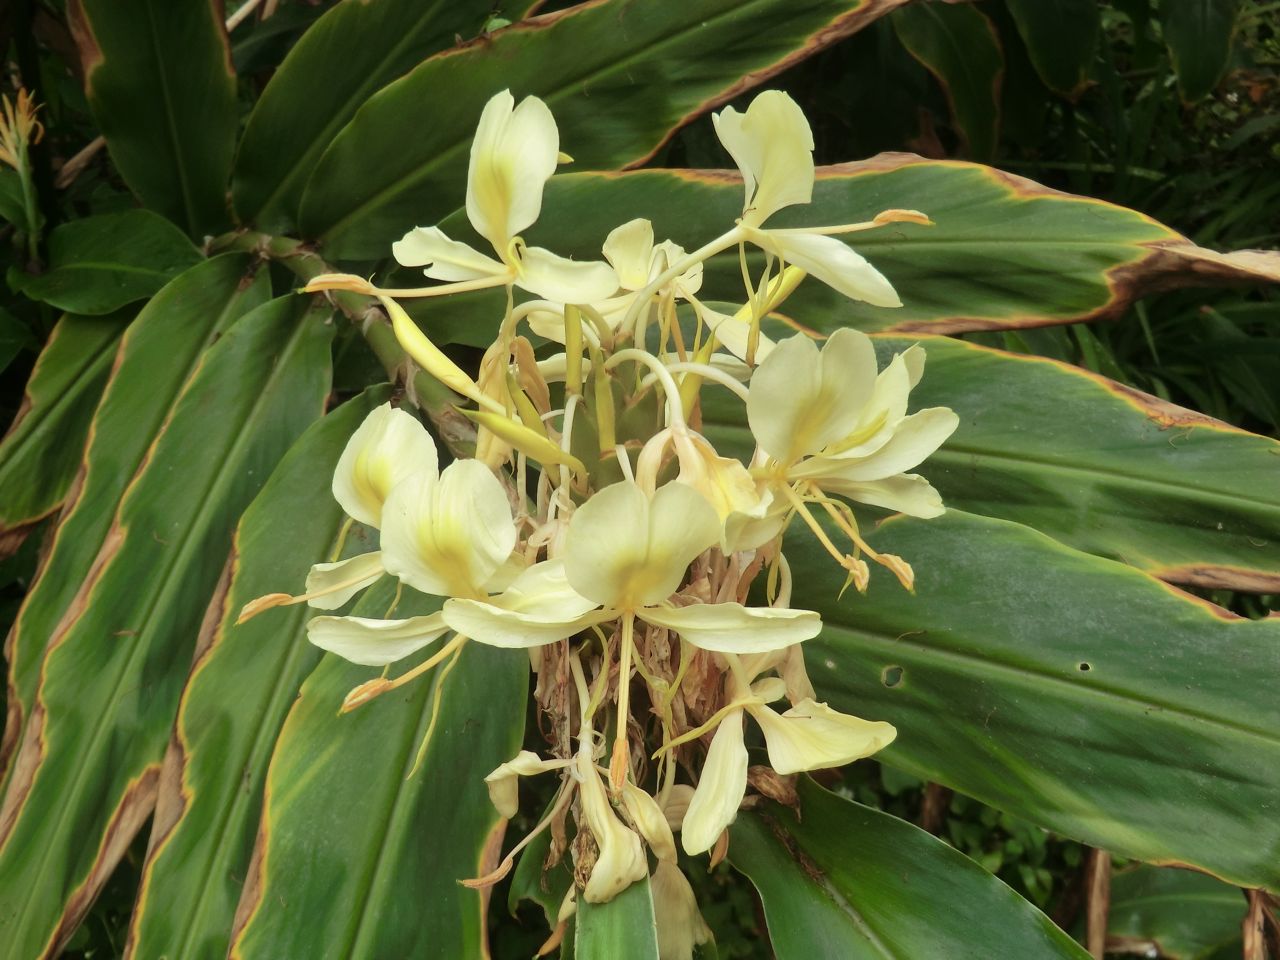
{"x": 436, "y": 400}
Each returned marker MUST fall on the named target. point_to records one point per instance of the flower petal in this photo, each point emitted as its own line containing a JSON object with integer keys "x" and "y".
{"x": 733, "y": 628}
{"x": 503, "y": 783}
{"x": 336, "y": 583}
{"x": 914, "y": 439}
{"x": 513, "y": 155}
{"x": 682, "y": 524}
{"x": 733, "y": 334}
{"x": 558, "y": 278}
{"x": 811, "y": 736}
{"x": 621, "y": 860}
{"x": 448, "y": 537}
{"x": 801, "y": 400}
{"x": 907, "y": 493}
{"x": 374, "y": 643}
{"x": 387, "y": 447}
{"x": 833, "y": 262}
{"x": 676, "y": 916}
{"x": 629, "y": 250}
{"x": 444, "y": 259}
{"x": 773, "y": 147}
{"x": 720, "y": 789}
{"x": 538, "y": 608}
{"x": 650, "y": 821}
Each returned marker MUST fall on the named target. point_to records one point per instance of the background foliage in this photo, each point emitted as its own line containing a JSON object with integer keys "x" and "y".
{"x": 165, "y": 784}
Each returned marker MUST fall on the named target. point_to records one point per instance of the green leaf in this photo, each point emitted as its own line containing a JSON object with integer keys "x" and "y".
{"x": 41, "y": 451}
{"x": 85, "y": 775}
{"x": 840, "y": 881}
{"x": 1103, "y": 467}
{"x": 1198, "y": 34}
{"x": 1182, "y": 914}
{"x": 1061, "y": 38}
{"x": 1005, "y": 252}
{"x": 959, "y": 46}
{"x": 622, "y": 929}
{"x": 244, "y": 681}
{"x": 1071, "y": 691}
{"x": 619, "y": 76}
{"x": 353, "y": 51}
{"x": 13, "y": 205}
{"x": 160, "y": 350}
{"x": 358, "y": 857}
{"x": 100, "y": 264}
{"x": 159, "y": 81}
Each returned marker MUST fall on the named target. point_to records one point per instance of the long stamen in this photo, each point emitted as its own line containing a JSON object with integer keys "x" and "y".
{"x": 621, "y": 758}
{"x": 354, "y": 284}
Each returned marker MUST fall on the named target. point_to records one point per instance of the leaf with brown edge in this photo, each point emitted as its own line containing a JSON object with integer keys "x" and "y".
{"x": 104, "y": 709}
{"x": 41, "y": 451}
{"x": 157, "y": 355}
{"x": 244, "y": 680}
{"x": 1069, "y": 690}
{"x": 620, "y": 77}
{"x": 1004, "y": 251}
{"x": 1090, "y": 462}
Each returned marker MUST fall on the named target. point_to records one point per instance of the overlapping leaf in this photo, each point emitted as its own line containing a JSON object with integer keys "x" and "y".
{"x": 41, "y": 450}
{"x": 244, "y": 681}
{"x": 85, "y": 774}
{"x": 840, "y": 881}
{"x": 1092, "y": 463}
{"x": 1061, "y": 38}
{"x": 347, "y": 56}
{"x": 359, "y": 844}
{"x": 1005, "y": 252}
{"x": 158, "y": 353}
{"x": 619, "y": 76}
{"x": 1198, "y": 34}
{"x": 1072, "y": 691}
{"x": 1181, "y": 914}
{"x": 622, "y": 929}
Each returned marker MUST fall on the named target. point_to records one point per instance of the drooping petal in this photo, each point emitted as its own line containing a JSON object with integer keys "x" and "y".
{"x": 374, "y": 643}
{"x": 907, "y": 493}
{"x": 624, "y": 552}
{"x": 723, "y": 481}
{"x": 538, "y": 608}
{"x": 514, "y": 154}
{"x": 721, "y": 787}
{"x": 336, "y": 583}
{"x": 629, "y": 250}
{"x": 387, "y": 447}
{"x": 503, "y": 783}
{"x": 675, "y": 913}
{"x": 733, "y": 628}
{"x": 914, "y": 439}
{"x": 448, "y": 537}
{"x": 621, "y": 860}
{"x": 811, "y": 736}
{"x": 443, "y": 258}
{"x": 833, "y": 262}
{"x": 801, "y": 400}
{"x": 558, "y": 278}
{"x": 773, "y": 147}
{"x": 667, "y": 254}
{"x": 650, "y": 821}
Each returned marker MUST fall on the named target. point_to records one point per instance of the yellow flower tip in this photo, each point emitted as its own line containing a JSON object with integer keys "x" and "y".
{"x": 346, "y": 282}
{"x": 619, "y": 762}
{"x": 553, "y": 942}
{"x": 255, "y": 607}
{"x": 902, "y": 216}
{"x": 901, "y": 569}
{"x": 563, "y": 157}
{"x": 362, "y": 694}
{"x": 489, "y": 879}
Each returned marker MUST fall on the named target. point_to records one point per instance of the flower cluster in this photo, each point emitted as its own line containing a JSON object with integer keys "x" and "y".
{"x": 599, "y": 531}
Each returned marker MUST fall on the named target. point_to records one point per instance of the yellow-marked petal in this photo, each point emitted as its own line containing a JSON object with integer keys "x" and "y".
{"x": 387, "y": 447}
{"x": 733, "y": 628}
{"x": 812, "y": 736}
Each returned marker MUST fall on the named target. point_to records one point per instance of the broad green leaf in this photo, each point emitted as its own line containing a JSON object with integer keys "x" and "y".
{"x": 358, "y": 855}
{"x": 1071, "y": 691}
{"x": 244, "y": 681}
{"x": 41, "y": 450}
{"x": 841, "y": 881}
{"x": 352, "y": 52}
{"x": 1198, "y": 34}
{"x": 13, "y": 207}
{"x": 1090, "y": 462}
{"x": 959, "y": 46}
{"x": 620, "y": 77}
{"x": 85, "y": 775}
{"x": 159, "y": 82}
{"x": 1061, "y": 38}
{"x": 100, "y": 264}
{"x": 1181, "y": 914}
{"x": 622, "y": 929}
{"x": 159, "y": 351}
{"x": 1005, "y": 251}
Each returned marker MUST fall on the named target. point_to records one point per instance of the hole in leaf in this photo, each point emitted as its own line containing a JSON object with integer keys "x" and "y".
{"x": 891, "y": 676}
{"x": 1084, "y": 666}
